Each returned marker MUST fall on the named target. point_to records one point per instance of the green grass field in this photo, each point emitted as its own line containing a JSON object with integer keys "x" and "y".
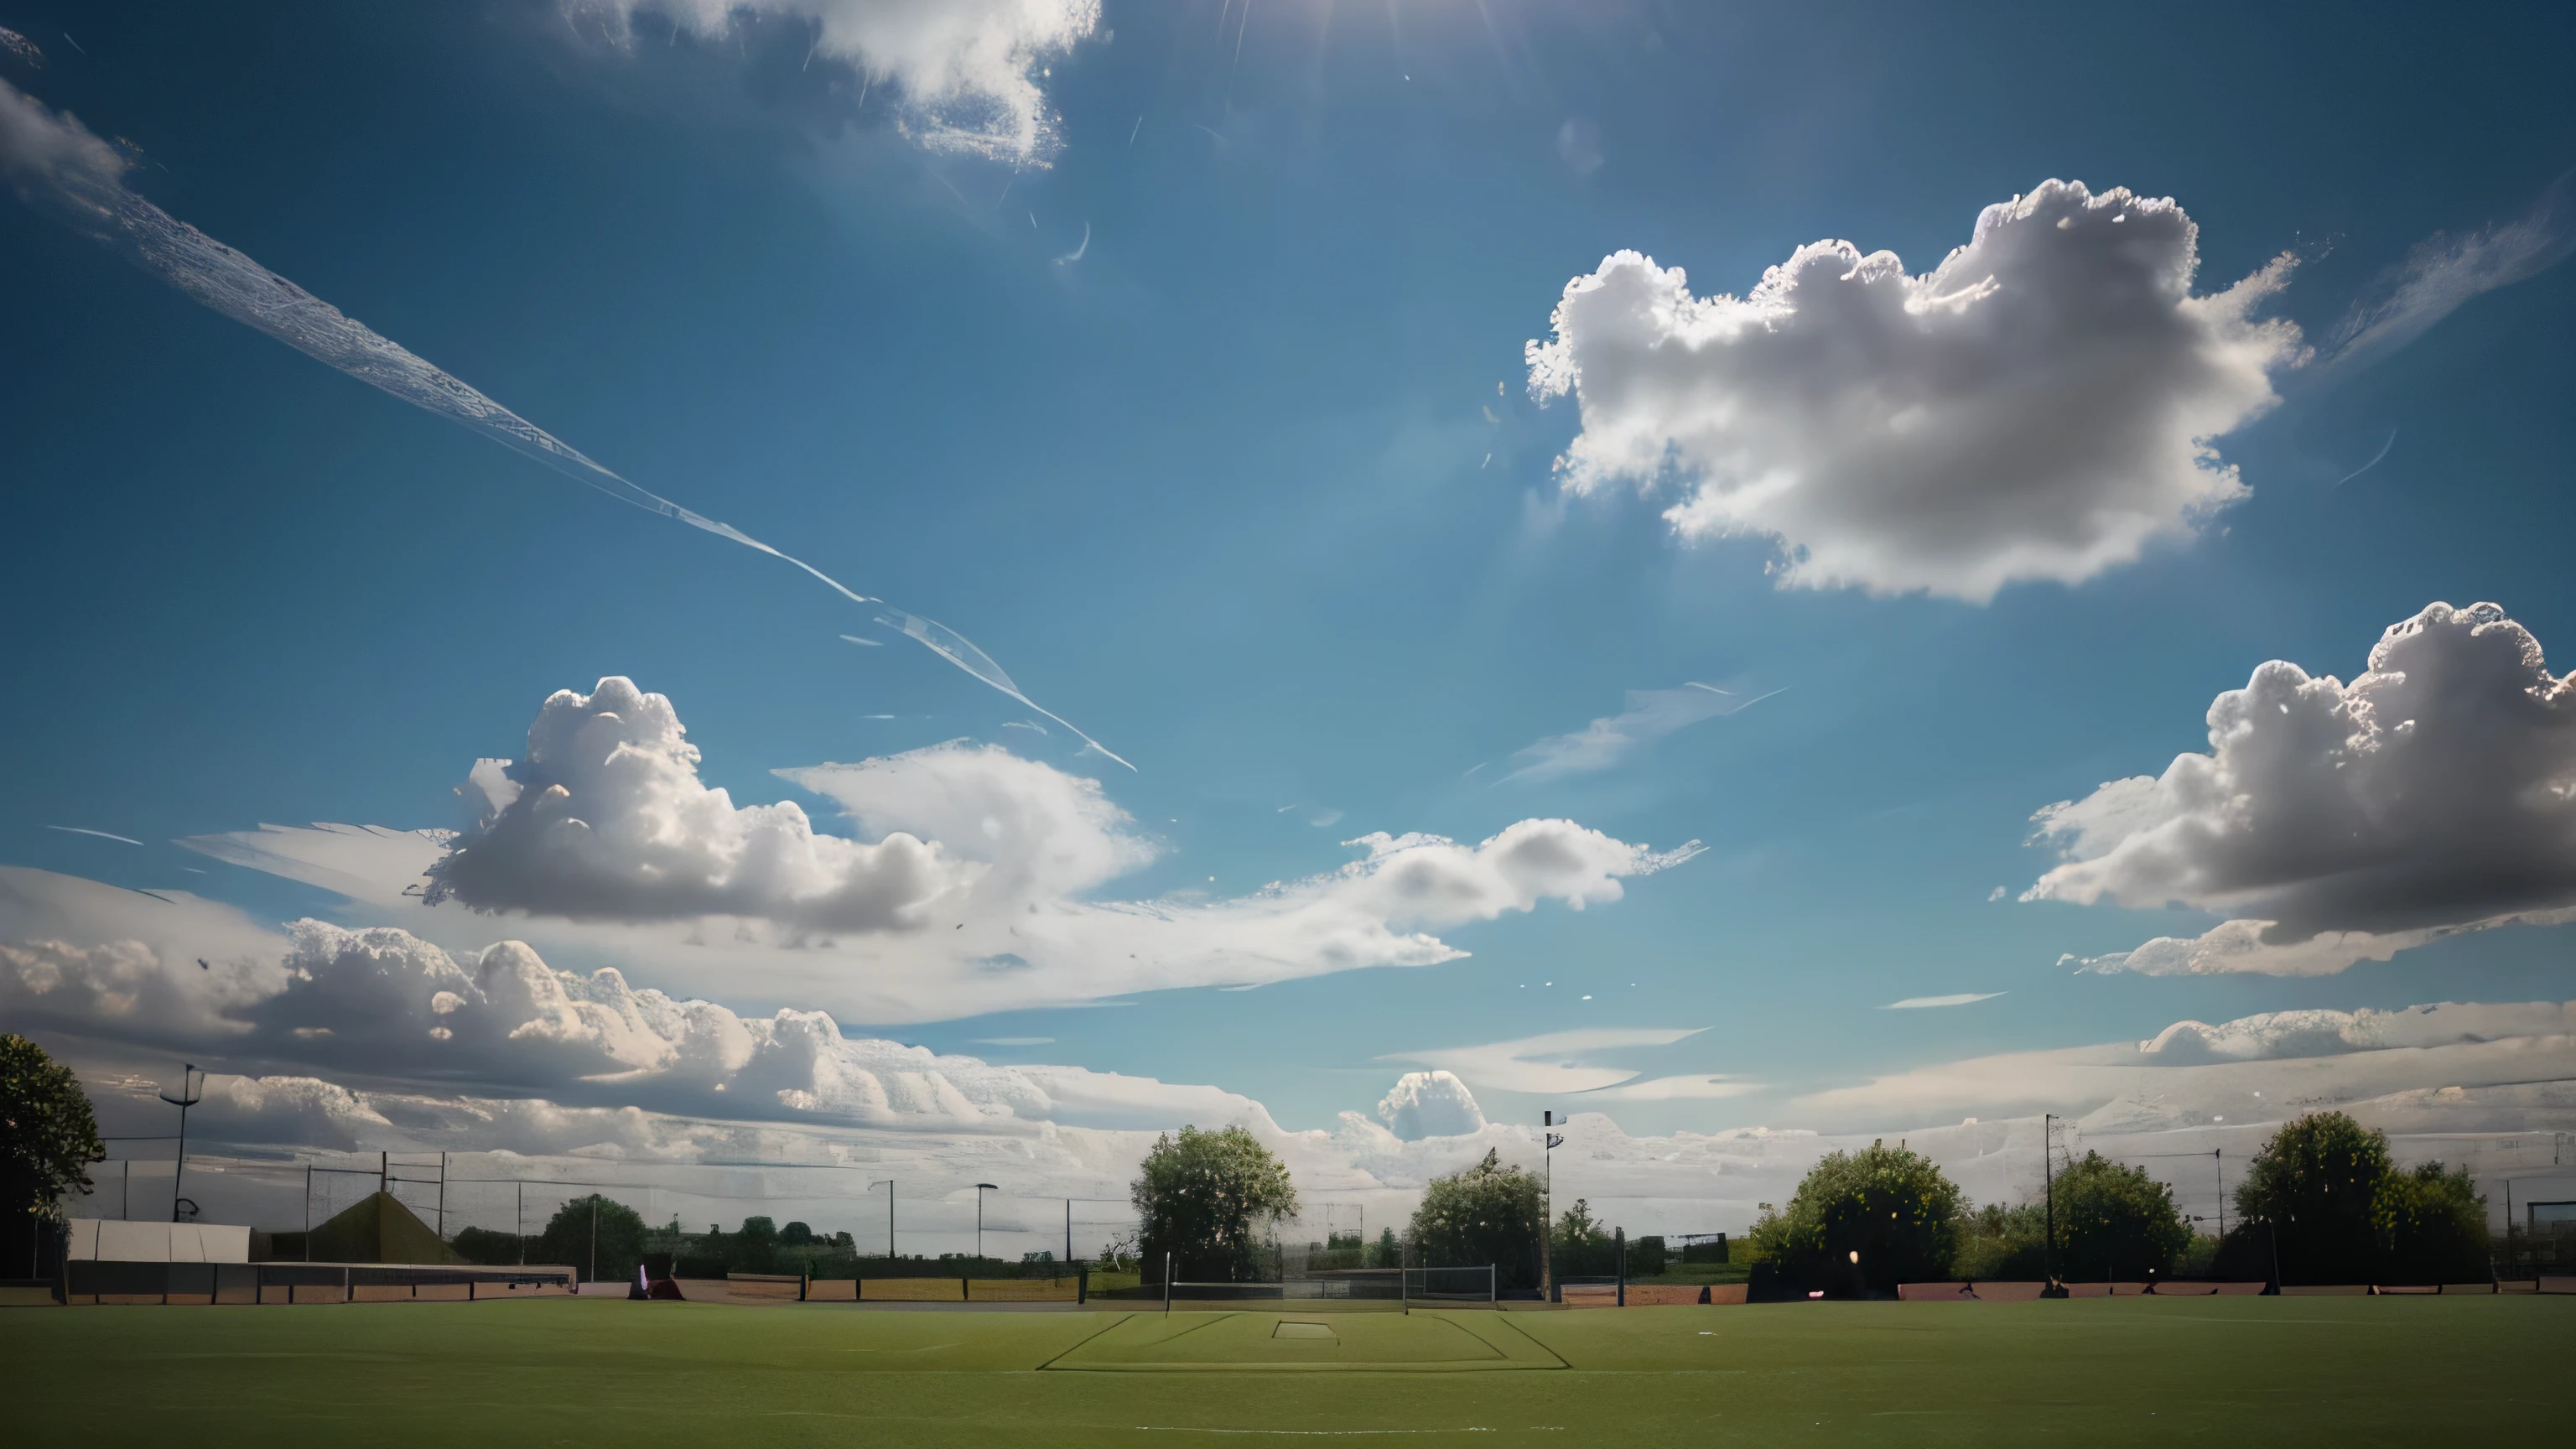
{"x": 2348, "y": 1371}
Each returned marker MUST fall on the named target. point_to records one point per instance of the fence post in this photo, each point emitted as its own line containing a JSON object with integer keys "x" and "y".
{"x": 1167, "y": 1285}
{"x": 1622, "y": 1236}
{"x": 1081, "y": 1283}
{"x": 965, "y": 1289}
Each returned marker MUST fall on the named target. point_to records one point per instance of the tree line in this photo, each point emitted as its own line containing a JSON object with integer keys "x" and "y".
{"x": 2321, "y": 1202}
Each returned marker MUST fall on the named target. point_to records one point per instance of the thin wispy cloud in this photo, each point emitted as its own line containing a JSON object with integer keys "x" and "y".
{"x": 1918, "y": 1003}
{"x": 2375, "y": 460}
{"x": 2445, "y": 271}
{"x": 64, "y": 171}
{"x": 1550, "y": 1063}
{"x": 101, "y": 834}
{"x": 1651, "y": 714}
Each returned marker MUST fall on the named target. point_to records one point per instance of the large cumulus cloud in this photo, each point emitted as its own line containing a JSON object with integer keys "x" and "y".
{"x": 605, "y": 819}
{"x": 2037, "y": 407}
{"x": 977, "y": 892}
{"x": 964, "y": 74}
{"x": 2434, "y": 794}
{"x": 1430, "y": 1104}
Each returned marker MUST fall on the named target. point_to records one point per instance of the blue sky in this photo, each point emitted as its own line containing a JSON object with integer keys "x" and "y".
{"x": 1211, "y": 421}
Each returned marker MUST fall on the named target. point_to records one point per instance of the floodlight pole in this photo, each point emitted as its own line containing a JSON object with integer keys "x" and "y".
{"x": 1068, "y": 1230}
{"x": 188, "y": 1097}
{"x": 1549, "y": 1142}
{"x": 2218, "y": 1156}
{"x": 594, "y": 1237}
{"x": 308, "y": 1216}
{"x": 442, "y": 1197}
{"x": 2048, "y": 1188}
{"x": 981, "y": 1188}
{"x": 888, "y": 1185}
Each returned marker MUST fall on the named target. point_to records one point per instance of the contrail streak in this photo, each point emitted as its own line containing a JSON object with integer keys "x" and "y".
{"x": 59, "y": 167}
{"x": 2374, "y": 462}
{"x": 101, "y": 834}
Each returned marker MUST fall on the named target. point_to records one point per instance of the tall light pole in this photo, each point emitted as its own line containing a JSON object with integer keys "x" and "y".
{"x": 1547, "y": 1203}
{"x": 888, "y": 1185}
{"x": 981, "y": 1188}
{"x": 189, "y": 1096}
{"x": 2048, "y": 1187}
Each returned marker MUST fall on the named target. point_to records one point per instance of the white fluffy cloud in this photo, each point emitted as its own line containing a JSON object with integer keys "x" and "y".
{"x": 967, "y": 72}
{"x": 2506, "y": 1080}
{"x": 1430, "y": 1104}
{"x": 605, "y": 819}
{"x": 2434, "y": 794}
{"x": 2037, "y": 407}
{"x": 974, "y": 898}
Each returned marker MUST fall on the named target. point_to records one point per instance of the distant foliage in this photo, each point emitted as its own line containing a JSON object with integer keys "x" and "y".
{"x": 1488, "y": 1213}
{"x": 2432, "y": 1227}
{"x": 569, "y": 1238}
{"x": 1206, "y": 1198}
{"x": 2313, "y": 1190}
{"x": 1580, "y": 1246}
{"x": 1647, "y": 1257}
{"x": 48, "y": 1137}
{"x": 2115, "y": 1222}
{"x": 1891, "y": 1206}
{"x": 1999, "y": 1244}
{"x": 1386, "y": 1252}
{"x": 492, "y": 1249}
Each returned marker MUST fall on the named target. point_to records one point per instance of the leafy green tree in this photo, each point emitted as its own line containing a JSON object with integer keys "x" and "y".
{"x": 1999, "y": 1244}
{"x": 1647, "y": 1256}
{"x": 1203, "y": 1198}
{"x": 48, "y": 1138}
{"x": 2432, "y": 1227}
{"x": 490, "y": 1248}
{"x": 1488, "y": 1213}
{"x": 798, "y": 1235}
{"x": 1580, "y": 1246}
{"x": 755, "y": 1248}
{"x": 1386, "y": 1252}
{"x": 1889, "y": 1205}
{"x": 2311, "y": 1191}
{"x": 2115, "y": 1222}
{"x": 569, "y": 1238}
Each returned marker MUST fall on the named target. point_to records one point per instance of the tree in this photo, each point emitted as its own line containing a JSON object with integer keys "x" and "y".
{"x": 2115, "y": 1222}
{"x": 1580, "y": 1247}
{"x": 1488, "y": 1213}
{"x": 48, "y": 1137}
{"x": 492, "y": 1248}
{"x": 2002, "y": 1244}
{"x": 2311, "y": 1191}
{"x": 1647, "y": 1256}
{"x": 1386, "y": 1252}
{"x": 2432, "y": 1227}
{"x": 1890, "y": 1206}
{"x": 568, "y": 1238}
{"x": 1203, "y": 1198}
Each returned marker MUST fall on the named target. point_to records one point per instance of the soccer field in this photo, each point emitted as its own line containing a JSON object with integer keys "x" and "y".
{"x": 2398, "y": 1371}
